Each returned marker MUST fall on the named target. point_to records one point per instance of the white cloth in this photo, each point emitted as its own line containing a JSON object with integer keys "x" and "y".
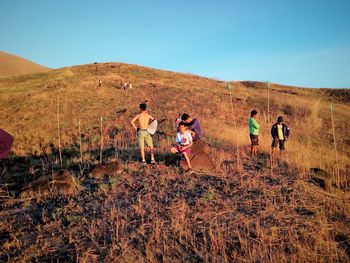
{"x": 184, "y": 138}
{"x": 152, "y": 127}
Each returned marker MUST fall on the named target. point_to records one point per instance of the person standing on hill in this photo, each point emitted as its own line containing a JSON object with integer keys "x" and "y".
{"x": 254, "y": 127}
{"x": 143, "y": 136}
{"x": 193, "y": 126}
{"x": 280, "y": 133}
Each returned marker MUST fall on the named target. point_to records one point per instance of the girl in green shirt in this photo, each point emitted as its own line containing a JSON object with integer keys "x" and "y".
{"x": 254, "y": 132}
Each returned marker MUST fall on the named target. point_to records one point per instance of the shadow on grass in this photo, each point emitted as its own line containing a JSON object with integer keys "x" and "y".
{"x": 18, "y": 171}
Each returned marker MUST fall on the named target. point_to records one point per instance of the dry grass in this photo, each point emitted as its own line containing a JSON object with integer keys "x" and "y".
{"x": 245, "y": 213}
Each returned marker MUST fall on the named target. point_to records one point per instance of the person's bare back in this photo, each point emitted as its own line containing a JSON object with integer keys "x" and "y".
{"x": 144, "y": 120}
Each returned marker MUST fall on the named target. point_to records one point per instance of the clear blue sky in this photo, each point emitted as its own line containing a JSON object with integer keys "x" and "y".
{"x": 295, "y": 42}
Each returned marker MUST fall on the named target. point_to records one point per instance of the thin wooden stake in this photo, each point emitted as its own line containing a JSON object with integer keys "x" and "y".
{"x": 80, "y": 143}
{"x": 58, "y": 130}
{"x": 268, "y": 123}
{"x": 101, "y": 143}
{"x": 268, "y": 103}
{"x": 335, "y": 148}
{"x": 235, "y": 125}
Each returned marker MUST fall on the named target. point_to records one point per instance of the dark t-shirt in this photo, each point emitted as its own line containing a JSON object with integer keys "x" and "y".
{"x": 196, "y": 127}
{"x": 6, "y": 141}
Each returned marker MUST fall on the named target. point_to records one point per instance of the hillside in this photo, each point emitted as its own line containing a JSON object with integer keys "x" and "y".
{"x": 244, "y": 211}
{"x": 11, "y": 65}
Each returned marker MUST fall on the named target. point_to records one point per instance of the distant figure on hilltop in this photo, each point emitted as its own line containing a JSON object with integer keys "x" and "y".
{"x": 280, "y": 133}
{"x": 193, "y": 126}
{"x": 254, "y": 127}
{"x": 143, "y": 135}
{"x": 99, "y": 83}
{"x": 125, "y": 86}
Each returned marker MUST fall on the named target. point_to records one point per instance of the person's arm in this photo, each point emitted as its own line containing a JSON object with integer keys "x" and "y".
{"x": 187, "y": 146}
{"x": 193, "y": 125}
{"x": 190, "y": 128}
{"x": 178, "y": 140}
{"x": 151, "y": 118}
{"x": 133, "y": 122}
{"x": 256, "y": 125}
{"x": 193, "y": 133}
{"x": 272, "y": 131}
{"x": 287, "y": 132}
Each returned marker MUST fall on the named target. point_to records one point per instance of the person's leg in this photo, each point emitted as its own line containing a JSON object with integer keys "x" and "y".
{"x": 149, "y": 142}
{"x": 174, "y": 150}
{"x": 256, "y": 145}
{"x": 152, "y": 154}
{"x": 142, "y": 150}
{"x": 255, "y": 150}
{"x": 142, "y": 146}
{"x": 281, "y": 144}
{"x": 187, "y": 160}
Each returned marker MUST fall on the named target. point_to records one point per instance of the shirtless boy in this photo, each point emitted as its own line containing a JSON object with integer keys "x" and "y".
{"x": 144, "y": 119}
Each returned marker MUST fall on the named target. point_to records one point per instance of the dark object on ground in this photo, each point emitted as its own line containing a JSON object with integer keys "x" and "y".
{"x": 161, "y": 121}
{"x": 62, "y": 182}
{"x": 112, "y": 132}
{"x": 200, "y": 158}
{"x": 344, "y": 242}
{"x": 119, "y": 112}
{"x": 4, "y": 166}
{"x": 6, "y": 141}
{"x": 109, "y": 169}
{"x": 321, "y": 178}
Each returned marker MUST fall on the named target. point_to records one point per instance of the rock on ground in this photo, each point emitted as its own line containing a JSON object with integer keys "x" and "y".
{"x": 62, "y": 182}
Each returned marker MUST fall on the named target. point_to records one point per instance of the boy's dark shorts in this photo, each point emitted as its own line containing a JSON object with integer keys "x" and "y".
{"x": 277, "y": 142}
{"x": 254, "y": 139}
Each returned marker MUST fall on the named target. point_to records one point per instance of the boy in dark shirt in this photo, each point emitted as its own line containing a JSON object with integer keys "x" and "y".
{"x": 280, "y": 133}
{"x": 193, "y": 126}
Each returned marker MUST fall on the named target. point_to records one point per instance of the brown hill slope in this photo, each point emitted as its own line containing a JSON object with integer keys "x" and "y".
{"x": 248, "y": 211}
{"x": 11, "y": 65}
{"x": 30, "y": 104}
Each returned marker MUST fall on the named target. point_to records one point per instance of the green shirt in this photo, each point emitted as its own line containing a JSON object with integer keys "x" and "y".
{"x": 253, "y": 126}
